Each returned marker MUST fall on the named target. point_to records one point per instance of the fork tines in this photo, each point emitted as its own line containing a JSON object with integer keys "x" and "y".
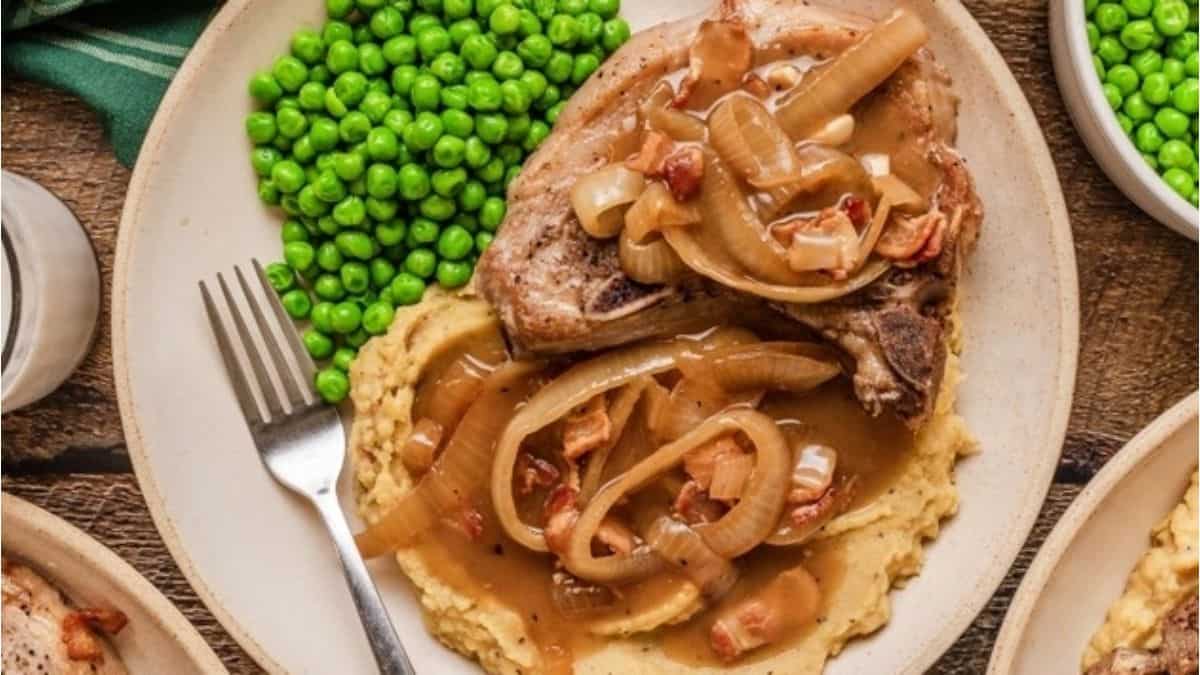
{"x": 260, "y": 382}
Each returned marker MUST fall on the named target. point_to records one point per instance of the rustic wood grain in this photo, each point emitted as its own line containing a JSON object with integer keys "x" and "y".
{"x": 1138, "y": 348}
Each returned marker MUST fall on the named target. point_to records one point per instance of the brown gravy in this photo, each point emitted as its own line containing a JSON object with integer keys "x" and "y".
{"x": 494, "y": 568}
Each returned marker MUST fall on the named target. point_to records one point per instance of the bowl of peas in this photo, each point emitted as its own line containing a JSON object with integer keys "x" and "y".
{"x": 1127, "y": 70}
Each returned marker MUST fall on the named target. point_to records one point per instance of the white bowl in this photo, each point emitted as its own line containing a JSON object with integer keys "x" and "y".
{"x": 1085, "y": 562}
{"x": 1097, "y": 124}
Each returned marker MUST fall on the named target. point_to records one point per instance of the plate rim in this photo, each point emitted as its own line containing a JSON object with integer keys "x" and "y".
{"x": 70, "y": 540}
{"x": 1061, "y": 241}
{"x": 1139, "y": 449}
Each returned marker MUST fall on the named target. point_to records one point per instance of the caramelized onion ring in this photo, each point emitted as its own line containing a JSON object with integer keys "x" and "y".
{"x": 683, "y": 548}
{"x": 779, "y": 366}
{"x": 745, "y": 525}
{"x": 694, "y": 256}
{"x": 459, "y": 471}
{"x": 600, "y": 199}
{"x": 652, "y": 262}
{"x": 746, "y": 135}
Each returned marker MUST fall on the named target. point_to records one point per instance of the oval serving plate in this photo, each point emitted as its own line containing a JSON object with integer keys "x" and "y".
{"x": 157, "y": 635}
{"x": 1084, "y": 564}
{"x": 261, "y": 560}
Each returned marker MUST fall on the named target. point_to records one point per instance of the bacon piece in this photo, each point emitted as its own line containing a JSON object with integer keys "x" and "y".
{"x": 791, "y": 599}
{"x": 905, "y": 236}
{"x": 701, "y": 462}
{"x": 561, "y": 513}
{"x": 719, "y": 56}
{"x": 81, "y": 642}
{"x": 534, "y": 472}
{"x": 858, "y": 210}
{"x": 694, "y": 505}
{"x": 649, "y": 159}
{"x": 683, "y": 171}
{"x": 587, "y": 429}
{"x": 108, "y": 621}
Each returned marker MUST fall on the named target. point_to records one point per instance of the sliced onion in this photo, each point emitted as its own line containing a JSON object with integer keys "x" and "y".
{"x": 748, "y": 138}
{"x": 835, "y": 500}
{"x": 870, "y": 236}
{"x": 778, "y": 366}
{"x": 724, "y": 209}
{"x": 729, "y": 477}
{"x": 719, "y": 57}
{"x": 677, "y": 124}
{"x": 876, "y": 164}
{"x": 828, "y": 243}
{"x": 695, "y": 257}
{"x": 619, "y": 413}
{"x": 837, "y": 131}
{"x": 656, "y": 209}
{"x": 690, "y": 402}
{"x": 601, "y": 197}
{"x": 460, "y": 470}
{"x": 741, "y": 529}
{"x": 683, "y": 548}
{"x": 812, "y": 472}
{"x": 852, "y": 74}
{"x": 421, "y": 447}
{"x": 570, "y": 390}
{"x": 827, "y": 175}
{"x": 899, "y": 194}
{"x": 653, "y": 262}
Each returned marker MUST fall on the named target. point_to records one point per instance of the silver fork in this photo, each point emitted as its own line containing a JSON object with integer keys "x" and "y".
{"x": 302, "y": 447}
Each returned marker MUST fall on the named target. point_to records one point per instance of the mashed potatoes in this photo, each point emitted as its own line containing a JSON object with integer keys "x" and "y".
{"x": 1164, "y": 576}
{"x": 881, "y": 544}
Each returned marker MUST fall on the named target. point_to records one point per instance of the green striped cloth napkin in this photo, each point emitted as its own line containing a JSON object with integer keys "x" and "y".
{"x": 117, "y": 55}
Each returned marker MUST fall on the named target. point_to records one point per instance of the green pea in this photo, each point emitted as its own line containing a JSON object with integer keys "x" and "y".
{"x": 337, "y": 30}
{"x": 318, "y": 344}
{"x": 591, "y": 28}
{"x": 356, "y": 339}
{"x": 453, "y": 274}
{"x": 334, "y": 105}
{"x": 264, "y": 89}
{"x": 381, "y": 208}
{"x": 530, "y": 24}
{"x": 554, "y": 111}
{"x": 343, "y": 357}
{"x": 329, "y": 287}
{"x": 345, "y": 317}
{"x": 1170, "y": 17}
{"x": 407, "y": 288}
{"x": 423, "y": 21}
{"x": 491, "y": 128}
{"x": 375, "y": 105}
{"x": 1155, "y": 88}
{"x": 563, "y": 31}
{"x": 1176, "y": 154}
{"x": 290, "y": 72}
{"x": 424, "y": 131}
{"x": 263, "y": 159}
{"x": 1174, "y": 70}
{"x": 1180, "y": 181}
{"x": 1147, "y": 138}
{"x": 479, "y": 52}
{"x": 484, "y": 95}
{"x": 371, "y": 60}
{"x": 387, "y": 22}
{"x": 400, "y": 50}
{"x": 356, "y": 278}
{"x": 538, "y": 131}
{"x": 457, "y": 123}
{"x": 422, "y": 231}
{"x": 1111, "y": 51}
{"x": 324, "y": 134}
{"x": 377, "y": 318}
{"x": 505, "y": 19}
{"x": 1110, "y": 17}
{"x": 308, "y": 202}
{"x": 296, "y": 303}
{"x": 558, "y": 68}
{"x": 457, "y": 9}
{"x": 448, "y": 152}
{"x": 449, "y": 182}
{"x": 396, "y": 120}
{"x": 1138, "y": 35}
{"x": 319, "y": 74}
{"x": 1171, "y": 122}
{"x": 414, "y": 182}
{"x": 438, "y": 208}
{"x": 483, "y": 240}
{"x": 1185, "y": 96}
{"x": 354, "y": 127}
{"x": 471, "y": 196}
{"x": 299, "y": 256}
{"x": 382, "y": 181}
{"x": 426, "y": 92}
{"x": 350, "y": 212}
{"x": 455, "y": 243}
{"x": 291, "y": 123}
{"x": 329, "y": 257}
{"x": 1183, "y": 46}
{"x": 518, "y": 128}
{"x": 420, "y": 263}
{"x": 476, "y": 153}
{"x": 510, "y": 174}
{"x": 549, "y": 98}
{"x": 280, "y": 276}
{"x": 342, "y": 57}
{"x": 491, "y": 214}
{"x": 508, "y": 66}
{"x": 433, "y": 41}
{"x": 454, "y": 97}
{"x": 260, "y": 127}
{"x": 448, "y": 67}
{"x": 492, "y": 171}
{"x": 293, "y": 231}
{"x": 616, "y": 33}
{"x": 320, "y": 317}
{"x": 287, "y": 176}
{"x": 382, "y": 272}
{"x": 307, "y": 46}
{"x": 1136, "y": 107}
{"x": 1124, "y": 78}
{"x": 329, "y": 188}
{"x": 311, "y": 97}
{"x": 462, "y": 29}
{"x": 535, "y": 50}
{"x": 332, "y": 384}
{"x": 354, "y": 244}
{"x": 390, "y": 233}
{"x": 350, "y": 87}
{"x": 605, "y": 8}
{"x": 382, "y": 145}
{"x": 584, "y": 66}
{"x": 1146, "y": 62}
{"x": 467, "y": 221}
{"x": 1192, "y": 65}
{"x": 268, "y": 193}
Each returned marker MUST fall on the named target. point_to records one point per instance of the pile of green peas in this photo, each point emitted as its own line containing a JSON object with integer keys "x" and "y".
{"x": 1145, "y": 52}
{"x": 389, "y": 136}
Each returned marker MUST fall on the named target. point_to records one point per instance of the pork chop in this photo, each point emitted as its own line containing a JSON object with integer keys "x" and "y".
{"x": 557, "y": 290}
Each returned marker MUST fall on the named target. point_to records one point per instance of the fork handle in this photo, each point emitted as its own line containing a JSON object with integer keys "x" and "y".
{"x": 385, "y": 644}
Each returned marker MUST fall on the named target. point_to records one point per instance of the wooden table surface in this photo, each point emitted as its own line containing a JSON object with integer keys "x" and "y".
{"x": 1137, "y": 352}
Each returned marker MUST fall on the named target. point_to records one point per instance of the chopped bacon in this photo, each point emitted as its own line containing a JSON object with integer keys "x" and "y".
{"x": 827, "y": 241}
{"x": 694, "y": 506}
{"x": 790, "y": 599}
{"x": 471, "y": 523}
{"x": 757, "y": 86}
{"x": 81, "y": 642}
{"x": 534, "y": 472}
{"x": 587, "y": 429}
{"x": 905, "y": 236}
{"x": 701, "y": 462}
{"x": 835, "y": 500}
{"x": 683, "y": 171}
{"x": 109, "y": 621}
{"x": 933, "y": 246}
{"x": 615, "y": 535}
{"x": 649, "y": 159}
{"x": 558, "y": 529}
{"x": 858, "y": 210}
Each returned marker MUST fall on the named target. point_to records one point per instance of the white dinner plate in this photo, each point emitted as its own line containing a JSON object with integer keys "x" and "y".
{"x": 260, "y": 558}
{"x": 1084, "y": 564}
{"x": 157, "y": 639}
